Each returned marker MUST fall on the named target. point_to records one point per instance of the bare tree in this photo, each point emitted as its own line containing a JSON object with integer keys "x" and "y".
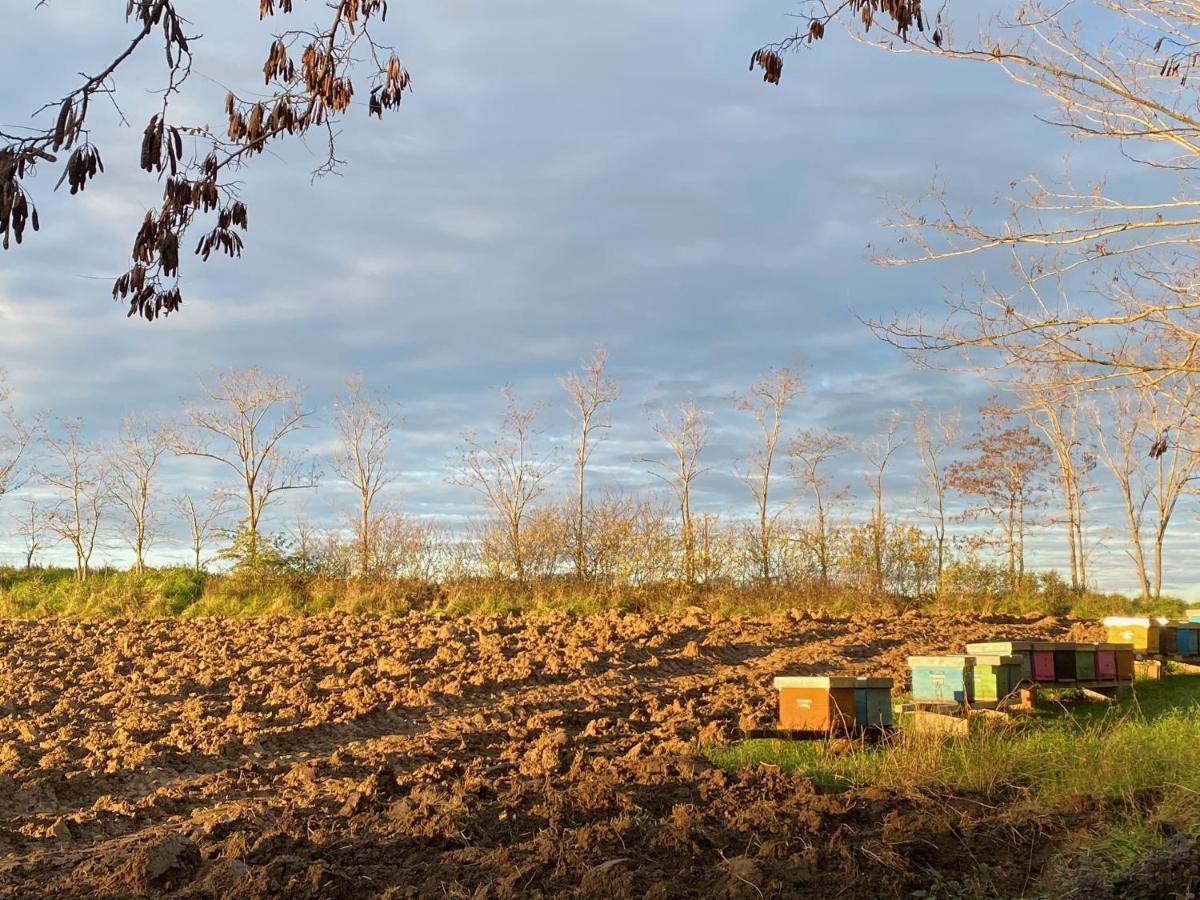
{"x": 310, "y": 74}
{"x": 1117, "y": 429}
{"x": 132, "y": 463}
{"x": 202, "y": 519}
{"x": 16, "y": 436}
{"x": 879, "y": 451}
{"x": 589, "y": 389}
{"x": 685, "y": 430}
{"x": 32, "y": 527}
{"x": 765, "y": 402}
{"x": 809, "y": 450}
{"x": 1146, "y": 439}
{"x": 934, "y": 438}
{"x": 1123, "y": 80}
{"x": 1004, "y": 479}
{"x": 76, "y": 471}
{"x": 508, "y": 472}
{"x": 244, "y": 423}
{"x": 1052, "y": 405}
{"x": 365, "y": 423}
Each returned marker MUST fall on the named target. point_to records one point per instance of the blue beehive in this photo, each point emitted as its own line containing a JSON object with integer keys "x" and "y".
{"x": 942, "y": 679}
{"x": 1187, "y": 639}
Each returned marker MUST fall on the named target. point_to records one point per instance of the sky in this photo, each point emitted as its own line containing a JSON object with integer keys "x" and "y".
{"x": 562, "y": 175}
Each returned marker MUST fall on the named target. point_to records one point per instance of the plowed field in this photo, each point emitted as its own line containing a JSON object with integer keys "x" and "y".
{"x": 470, "y": 757}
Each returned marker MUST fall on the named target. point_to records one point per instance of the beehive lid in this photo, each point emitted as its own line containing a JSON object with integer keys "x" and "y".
{"x": 1066, "y": 645}
{"x": 873, "y": 683}
{"x": 1111, "y": 646}
{"x": 939, "y": 661}
{"x": 1119, "y": 621}
{"x": 988, "y": 648}
{"x": 1086, "y": 648}
{"x": 997, "y": 660}
{"x": 1045, "y": 645}
{"x": 1191, "y": 626}
{"x": 815, "y": 681}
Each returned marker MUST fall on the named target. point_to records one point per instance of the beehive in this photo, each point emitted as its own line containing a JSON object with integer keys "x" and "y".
{"x": 1106, "y": 661}
{"x": 1064, "y": 663}
{"x": 873, "y": 703}
{"x": 995, "y": 677}
{"x": 814, "y": 703}
{"x": 1042, "y": 662}
{"x": 1168, "y": 638}
{"x": 1085, "y": 662}
{"x": 1141, "y": 632}
{"x": 945, "y": 679}
{"x": 1187, "y": 639}
{"x": 1020, "y": 649}
{"x": 1125, "y": 662}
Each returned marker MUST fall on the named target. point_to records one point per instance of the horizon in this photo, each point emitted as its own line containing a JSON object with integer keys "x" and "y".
{"x": 699, "y": 224}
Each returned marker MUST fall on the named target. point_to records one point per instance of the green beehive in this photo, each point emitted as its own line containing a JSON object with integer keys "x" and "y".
{"x": 1019, "y": 649}
{"x": 873, "y": 703}
{"x": 1085, "y": 662}
{"x": 996, "y": 677}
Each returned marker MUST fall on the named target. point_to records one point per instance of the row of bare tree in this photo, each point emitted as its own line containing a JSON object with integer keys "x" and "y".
{"x": 1031, "y": 463}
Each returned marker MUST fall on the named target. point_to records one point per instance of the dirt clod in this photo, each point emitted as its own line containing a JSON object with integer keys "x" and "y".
{"x": 483, "y": 756}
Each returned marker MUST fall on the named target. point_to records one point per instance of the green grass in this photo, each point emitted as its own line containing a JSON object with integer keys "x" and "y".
{"x": 55, "y": 593}
{"x": 1140, "y": 756}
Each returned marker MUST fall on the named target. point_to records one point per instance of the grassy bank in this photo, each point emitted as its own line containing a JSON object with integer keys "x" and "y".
{"x": 43, "y": 593}
{"x": 1139, "y": 757}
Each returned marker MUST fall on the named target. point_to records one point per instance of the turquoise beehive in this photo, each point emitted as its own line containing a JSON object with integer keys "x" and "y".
{"x": 942, "y": 679}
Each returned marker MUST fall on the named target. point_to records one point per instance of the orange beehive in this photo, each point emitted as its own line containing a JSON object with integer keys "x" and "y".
{"x": 1124, "y": 653}
{"x": 816, "y": 703}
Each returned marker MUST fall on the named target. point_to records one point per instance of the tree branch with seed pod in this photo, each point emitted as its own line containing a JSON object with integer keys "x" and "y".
{"x": 312, "y": 75}
{"x": 1084, "y": 272}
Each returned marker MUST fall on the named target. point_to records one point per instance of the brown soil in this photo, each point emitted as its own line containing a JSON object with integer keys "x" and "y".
{"x": 478, "y": 757}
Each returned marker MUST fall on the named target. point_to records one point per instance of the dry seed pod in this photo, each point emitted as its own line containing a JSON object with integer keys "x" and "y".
{"x": 770, "y": 62}
{"x": 60, "y": 127}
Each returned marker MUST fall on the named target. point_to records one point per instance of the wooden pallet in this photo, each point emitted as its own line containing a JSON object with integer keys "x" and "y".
{"x": 869, "y": 735}
{"x": 1152, "y": 666}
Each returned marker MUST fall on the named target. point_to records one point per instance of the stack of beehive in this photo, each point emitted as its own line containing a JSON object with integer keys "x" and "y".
{"x": 836, "y": 703}
{"x": 989, "y": 672}
{"x": 1158, "y": 634}
{"x": 985, "y": 674}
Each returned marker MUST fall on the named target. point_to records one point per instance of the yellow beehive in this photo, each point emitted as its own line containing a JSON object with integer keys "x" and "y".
{"x": 1143, "y": 632}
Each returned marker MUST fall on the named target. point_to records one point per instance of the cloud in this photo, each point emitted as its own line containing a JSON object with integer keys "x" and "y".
{"x": 561, "y": 176}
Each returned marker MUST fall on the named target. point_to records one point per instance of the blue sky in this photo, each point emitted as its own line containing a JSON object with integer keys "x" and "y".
{"x": 562, "y": 175}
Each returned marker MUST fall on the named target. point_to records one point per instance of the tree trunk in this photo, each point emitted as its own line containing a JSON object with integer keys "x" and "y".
{"x": 1159, "y": 535}
{"x": 941, "y": 544}
{"x": 364, "y": 532}
{"x": 514, "y": 539}
{"x": 1069, "y": 499}
{"x": 1020, "y": 540}
{"x": 688, "y": 537}
{"x": 580, "y": 564}
{"x": 764, "y": 546}
{"x": 822, "y": 540}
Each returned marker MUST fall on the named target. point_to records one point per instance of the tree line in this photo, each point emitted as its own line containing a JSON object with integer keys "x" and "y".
{"x": 1034, "y": 461}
